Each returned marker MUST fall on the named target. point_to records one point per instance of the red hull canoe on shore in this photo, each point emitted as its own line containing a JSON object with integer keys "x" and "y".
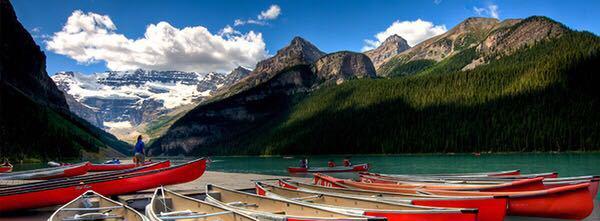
{"x": 550, "y": 180}
{"x": 393, "y": 211}
{"x": 510, "y": 186}
{"x": 48, "y": 173}
{"x": 566, "y": 202}
{"x": 55, "y": 192}
{"x": 490, "y": 208}
{"x": 355, "y": 168}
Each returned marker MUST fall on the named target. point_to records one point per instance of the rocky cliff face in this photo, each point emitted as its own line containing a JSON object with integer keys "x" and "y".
{"x": 260, "y": 97}
{"x": 341, "y": 66}
{"x": 23, "y": 64}
{"x": 298, "y": 52}
{"x": 392, "y": 46}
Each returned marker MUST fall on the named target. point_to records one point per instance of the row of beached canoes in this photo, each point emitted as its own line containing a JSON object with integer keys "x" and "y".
{"x": 62, "y": 190}
{"x": 333, "y": 199}
{"x": 338, "y": 199}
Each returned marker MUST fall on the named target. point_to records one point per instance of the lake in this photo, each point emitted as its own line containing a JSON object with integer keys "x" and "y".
{"x": 566, "y": 164}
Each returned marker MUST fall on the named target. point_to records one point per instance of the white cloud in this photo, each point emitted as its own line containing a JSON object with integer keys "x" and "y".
{"x": 90, "y": 38}
{"x": 270, "y": 14}
{"x": 489, "y": 11}
{"x": 437, "y": 2}
{"x": 413, "y": 31}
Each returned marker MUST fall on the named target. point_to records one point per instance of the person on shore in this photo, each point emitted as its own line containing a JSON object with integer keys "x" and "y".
{"x": 138, "y": 157}
{"x": 347, "y": 162}
{"x": 331, "y": 163}
{"x": 304, "y": 162}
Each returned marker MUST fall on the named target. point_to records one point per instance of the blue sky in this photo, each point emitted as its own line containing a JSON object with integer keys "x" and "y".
{"x": 330, "y": 25}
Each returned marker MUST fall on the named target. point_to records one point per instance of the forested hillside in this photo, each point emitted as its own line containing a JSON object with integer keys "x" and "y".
{"x": 543, "y": 98}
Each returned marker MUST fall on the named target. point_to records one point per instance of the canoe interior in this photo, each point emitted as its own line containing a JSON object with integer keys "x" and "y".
{"x": 96, "y": 201}
{"x": 359, "y": 192}
{"x": 341, "y": 201}
{"x": 167, "y": 202}
{"x": 253, "y": 202}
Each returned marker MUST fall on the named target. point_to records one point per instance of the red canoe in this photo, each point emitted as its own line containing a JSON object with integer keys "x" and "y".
{"x": 490, "y": 208}
{"x": 110, "y": 167}
{"x": 508, "y": 186}
{"x": 393, "y": 211}
{"x": 355, "y": 168}
{"x": 566, "y": 202}
{"x": 48, "y": 173}
{"x": 55, "y": 193}
{"x": 6, "y": 167}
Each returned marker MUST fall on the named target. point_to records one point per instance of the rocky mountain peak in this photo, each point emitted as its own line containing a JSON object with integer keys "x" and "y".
{"x": 392, "y": 46}
{"x": 299, "y": 51}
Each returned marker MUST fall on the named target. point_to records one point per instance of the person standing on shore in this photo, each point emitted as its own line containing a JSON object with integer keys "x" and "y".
{"x": 139, "y": 154}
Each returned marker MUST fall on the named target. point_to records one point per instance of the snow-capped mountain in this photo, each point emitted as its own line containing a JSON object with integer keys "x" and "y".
{"x": 124, "y": 99}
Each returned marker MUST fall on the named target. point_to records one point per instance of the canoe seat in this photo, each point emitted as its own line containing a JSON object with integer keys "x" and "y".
{"x": 241, "y": 204}
{"x": 92, "y": 208}
{"x": 193, "y": 216}
{"x": 178, "y": 213}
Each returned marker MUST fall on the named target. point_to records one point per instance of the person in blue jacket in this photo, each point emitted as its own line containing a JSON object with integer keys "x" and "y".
{"x": 139, "y": 154}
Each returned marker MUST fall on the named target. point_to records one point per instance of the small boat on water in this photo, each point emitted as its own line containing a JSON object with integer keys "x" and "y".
{"x": 169, "y": 205}
{"x": 565, "y": 202}
{"x": 393, "y": 211}
{"x": 93, "y": 206}
{"x": 6, "y": 167}
{"x": 508, "y": 186}
{"x": 265, "y": 208}
{"x": 54, "y": 192}
{"x": 48, "y": 173}
{"x": 490, "y": 208}
{"x": 353, "y": 168}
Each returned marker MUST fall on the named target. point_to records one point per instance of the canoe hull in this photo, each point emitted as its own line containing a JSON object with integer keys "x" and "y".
{"x": 144, "y": 180}
{"x": 512, "y": 186}
{"x": 355, "y": 168}
{"x": 567, "y": 202}
{"x": 4, "y": 169}
{"x": 390, "y": 216}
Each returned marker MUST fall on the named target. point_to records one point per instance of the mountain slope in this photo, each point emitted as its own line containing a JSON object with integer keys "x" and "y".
{"x": 34, "y": 116}
{"x": 541, "y": 98}
{"x": 226, "y": 122}
{"x": 392, "y": 46}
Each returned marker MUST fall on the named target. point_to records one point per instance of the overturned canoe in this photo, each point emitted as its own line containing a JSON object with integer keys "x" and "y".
{"x": 354, "y": 168}
{"x": 393, "y": 211}
{"x": 93, "y": 206}
{"x": 566, "y": 202}
{"x": 51, "y": 192}
{"x": 169, "y": 205}
{"x": 490, "y": 208}
{"x": 48, "y": 173}
{"x": 265, "y": 208}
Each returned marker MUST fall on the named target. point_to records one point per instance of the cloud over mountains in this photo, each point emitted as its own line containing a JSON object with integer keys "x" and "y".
{"x": 90, "y": 38}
